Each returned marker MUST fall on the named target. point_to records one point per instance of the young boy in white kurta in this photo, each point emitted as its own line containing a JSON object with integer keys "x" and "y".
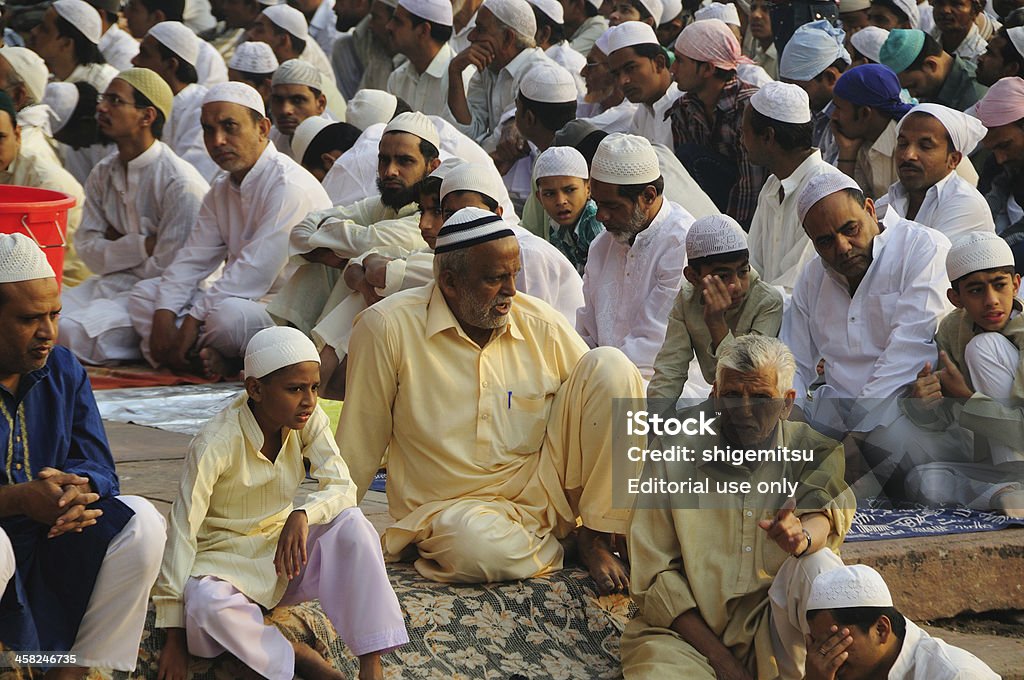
{"x": 237, "y": 546}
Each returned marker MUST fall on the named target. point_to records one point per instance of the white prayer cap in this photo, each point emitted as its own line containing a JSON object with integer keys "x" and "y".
{"x": 548, "y": 83}
{"x": 289, "y": 19}
{"x": 275, "y": 348}
{"x": 868, "y": 41}
{"x": 435, "y": 11}
{"x": 30, "y": 68}
{"x": 909, "y": 7}
{"x": 298, "y": 72}
{"x": 812, "y": 49}
{"x": 848, "y": 6}
{"x": 415, "y": 123}
{"x": 469, "y": 227}
{"x": 82, "y": 16}
{"x": 714, "y": 235}
{"x": 820, "y": 186}
{"x": 560, "y": 161}
{"x": 370, "y": 107}
{"x": 62, "y": 98}
{"x": 236, "y": 93}
{"x": 670, "y": 9}
{"x": 552, "y": 9}
{"x": 975, "y": 252}
{"x": 22, "y": 260}
{"x": 178, "y": 38}
{"x": 966, "y": 132}
{"x": 784, "y": 102}
{"x": 304, "y": 135}
{"x": 446, "y": 166}
{"x": 654, "y": 8}
{"x": 602, "y": 40}
{"x": 1016, "y": 36}
{"x": 718, "y": 10}
{"x": 253, "y": 57}
{"x": 857, "y": 585}
{"x": 483, "y": 179}
{"x": 628, "y": 34}
{"x": 596, "y": 3}
{"x": 625, "y": 159}
{"x": 516, "y": 14}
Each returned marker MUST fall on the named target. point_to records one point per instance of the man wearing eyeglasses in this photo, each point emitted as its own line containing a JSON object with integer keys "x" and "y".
{"x": 142, "y": 203}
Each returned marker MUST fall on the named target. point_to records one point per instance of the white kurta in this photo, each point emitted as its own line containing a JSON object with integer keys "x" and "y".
{"x": 951, "y": 206}
{"x": 97, "y": 75}
{"x": 184, "y": 132}
{"x": 547, "y": 274}
{"x": 118, "y": 47}
{"x": 425, "y": 92}
{"x": 618, "y": 118}
{"x": 628, "y": 291}
{"x": 923, "y": 657}
{"x": 198, "y": 15}
{"x": 970, "y": 48}
{"x": 211, "y": 68}
{"x": 157, "y": 194}
{"x": 36, "y": 135}
{"x": 323, "y": 26}
{"x": 779, "y": 247}
{"x": 875, "y": 342}
{"x": 649, "y": 119}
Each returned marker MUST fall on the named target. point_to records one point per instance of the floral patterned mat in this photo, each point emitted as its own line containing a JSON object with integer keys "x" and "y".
{"x": 549, "y": 627}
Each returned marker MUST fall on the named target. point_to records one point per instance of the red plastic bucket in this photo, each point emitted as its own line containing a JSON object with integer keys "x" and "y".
{"x": 40, "y": 214}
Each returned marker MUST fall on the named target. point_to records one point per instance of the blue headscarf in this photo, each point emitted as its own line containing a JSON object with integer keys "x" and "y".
{"x": 872, "y": 85}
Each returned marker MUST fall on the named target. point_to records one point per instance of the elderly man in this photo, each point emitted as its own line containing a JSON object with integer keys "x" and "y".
{"x": 706, "y": 120}
{"x": 171, "y": 50}
{"x": 68, "y": 41}
{"x": 143, "y": 15}
{"x": 527, "y": 441}
{"x": 931, "y": 141}
{"x": 63, "y": 591}
{"x": 639, "y": 64}
{"x": 1002, "y": 112}
{"x": 142, "y": 204}
{"x": 635, "y": 267}
{"x": 243, "y": 225}
{"x": 928, "y": 72}
{"x": 503, "y": 50}
{"x": 777, "y": 133}
{"x": 420, "y": 30}
{"x": 868, "y": 305}
{"x": 722, "y": 579}
{"x": 324, "y": 241}
{"x": 23, "y": 77}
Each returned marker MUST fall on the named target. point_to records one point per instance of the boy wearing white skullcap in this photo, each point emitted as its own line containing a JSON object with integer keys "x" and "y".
{"x": 583, "y": 24}
{"x": 81, "y": 59}
{"x": 635, "y": 267}
{"x": 562, "y": 185}
{"x": 931, "y": 142}
{"x": 503, "y": 49}
{"x": 721, "y": 299}
{"x": 235, "y": 501}
{"x": 171, "y": 50}
{"x": 980, "y": 361}
{"x": 420, "y": 30}
{"x": 97, "y": 610}
{"x": 633, "y": 47}
{"x": 244, "y": 225}
{"x": 855, "y": 629}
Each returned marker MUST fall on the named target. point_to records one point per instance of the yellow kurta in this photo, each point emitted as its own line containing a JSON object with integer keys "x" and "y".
{"x": 715, "y": 558}
{"x": 233, "y": 502}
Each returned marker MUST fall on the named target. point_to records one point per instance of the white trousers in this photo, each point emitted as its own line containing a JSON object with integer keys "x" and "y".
{"x": 111, "y": 628}
{"x": 345, "y": 571}
{"x": 227, "y": 328}
{"x": 96, "y": 326}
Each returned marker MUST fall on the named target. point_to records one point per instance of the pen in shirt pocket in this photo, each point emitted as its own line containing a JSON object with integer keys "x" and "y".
{"x": 510, "y": 399}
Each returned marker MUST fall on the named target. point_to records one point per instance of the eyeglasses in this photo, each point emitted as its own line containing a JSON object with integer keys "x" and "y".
{"x": 114, "y": 101}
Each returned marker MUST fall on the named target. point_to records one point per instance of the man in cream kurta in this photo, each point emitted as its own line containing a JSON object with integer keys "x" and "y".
{"x": 418, "y": 31}
{"x": 526, "y": 444}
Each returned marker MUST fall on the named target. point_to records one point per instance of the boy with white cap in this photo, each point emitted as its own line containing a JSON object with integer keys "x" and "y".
{"x": 777, "y": 134}
{"x": 931, "y": 142}
{"x": 583, "y": 23}
{"x": 245, "y": 220}
{"x": 238, "y": 545}
{"x": 171, "y": 49}
{"x": 143, "y": 15}
{"x": 562, "y": 185}
{"x": 323, "y": 241}
{"x": 296, "y": 93}
{"x": 23, "y": 76}
{"x": 721, "y": 299}
{"x": 254, "y": 63}
{"x": 856, "y": 632}
{"x": 68, "y": 41}
{"x": 705, "y": 122}
{"x": 117, "y": 46}
{"x": 420, "y": 30}
{"x": 503, "y": 50}
{"x": 141, "y": 205}
{"x": 64, "y": 589}
{"x": 973, "y": 396}
{"x": 641, "y": 66}
{"x": 634, "y": 269}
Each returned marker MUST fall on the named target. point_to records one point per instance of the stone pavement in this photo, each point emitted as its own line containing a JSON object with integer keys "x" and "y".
{"x": 930, "y": 578}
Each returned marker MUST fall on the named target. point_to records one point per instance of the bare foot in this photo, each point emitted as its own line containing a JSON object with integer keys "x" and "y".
{"x": 370, "y": 667}
{"x": 312, "y": 666}
{"x": 1010, "y": 503}
{"x": 607, "y": 570}
{"x": 217, "y": 366}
